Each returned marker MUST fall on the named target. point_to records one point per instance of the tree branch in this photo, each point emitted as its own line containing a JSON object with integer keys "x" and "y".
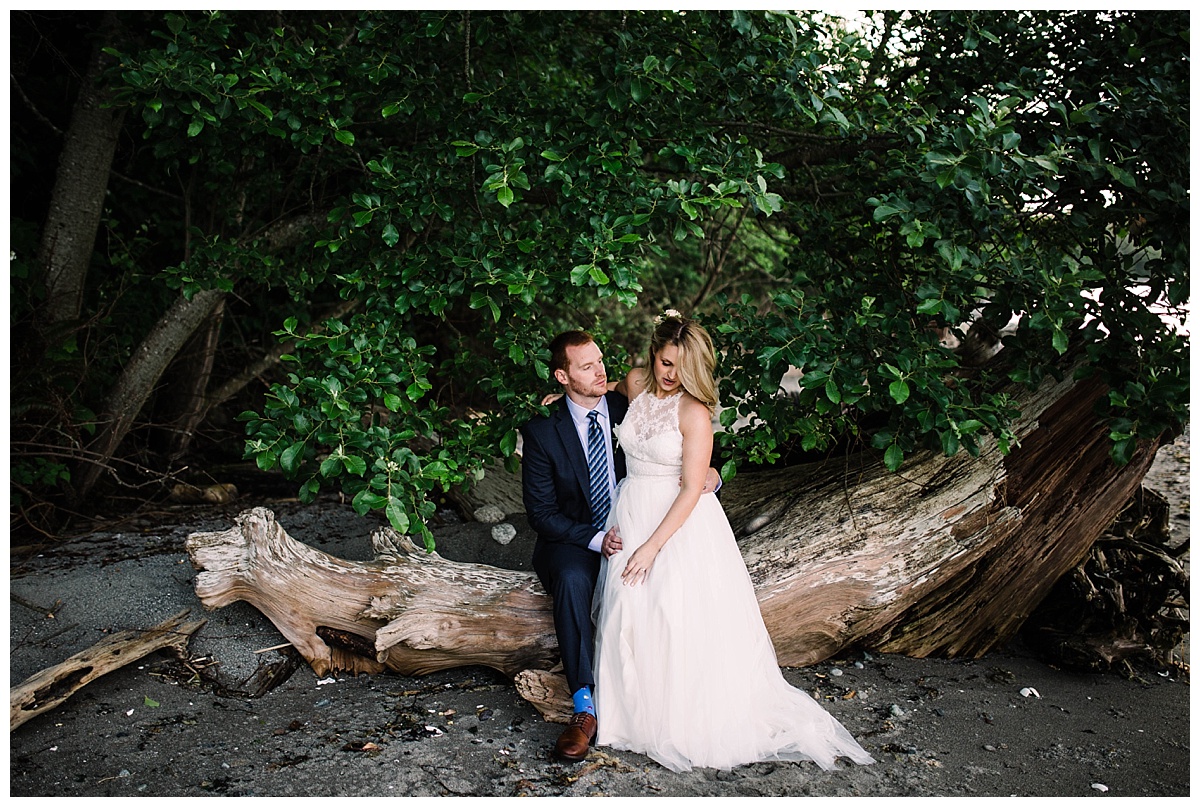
{"x": 268, "y": 360}
{"x": 37, "y": 113}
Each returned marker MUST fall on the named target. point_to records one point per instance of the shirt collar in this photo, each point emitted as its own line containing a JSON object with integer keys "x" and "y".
{"x": 579, "y": 414}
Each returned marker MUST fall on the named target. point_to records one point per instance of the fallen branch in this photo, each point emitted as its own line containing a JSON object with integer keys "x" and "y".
{"x": 52, "y": 686}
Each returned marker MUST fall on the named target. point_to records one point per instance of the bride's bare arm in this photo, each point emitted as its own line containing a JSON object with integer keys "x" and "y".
{"x": 632, "y": 384}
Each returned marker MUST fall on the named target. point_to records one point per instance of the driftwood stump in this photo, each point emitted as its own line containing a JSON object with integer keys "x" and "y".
{"x": 408, "y": 610}
{"x": 946, "y": 557}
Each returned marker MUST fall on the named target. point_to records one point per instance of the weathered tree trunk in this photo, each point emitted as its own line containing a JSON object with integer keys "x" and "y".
{"x": 69, "y": 236}
{"x": 946, "y": 557}
{"x": 152, "y": 357}
{"x": 138, "y": 379}
{"x": 183, "y": 403}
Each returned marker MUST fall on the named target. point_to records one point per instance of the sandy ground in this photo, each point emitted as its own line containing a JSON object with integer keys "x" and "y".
{"x": 151, "y": 729}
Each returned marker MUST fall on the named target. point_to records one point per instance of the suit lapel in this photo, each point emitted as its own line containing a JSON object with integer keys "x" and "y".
{"x": 565, "y": 427}
{"x": 618, "y": 405}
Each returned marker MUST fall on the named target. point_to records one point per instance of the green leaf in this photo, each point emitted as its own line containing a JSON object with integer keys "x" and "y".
{"x": 505, "y": 196}
{"x": 291, "y": 457}
{"x": 355, "y": 465}
{"x": 1122, "y": 450}
{"x": 148, "y": 701}
{"x": 396, "y": 515}
{"x": 267, "y": 113}
{"x": 728, "y": 471}
{"x": 1121, "y": 175}
{"x": 416, "y": 390}
{"x": 893, "y": 457}
{"x": 1059, "y": 340}
{"x": 365, "y": 501}
{"x": 639, "y": 90}
{"x": 342, "y": 136}
{"x": 391, "y": 236}
{"x": 195, "y": 127}
{"x": 899, "y": 391}
{"x": 508, "y": 444}
{"x": 579, "y": 274}
{"x": 265, "y": 460}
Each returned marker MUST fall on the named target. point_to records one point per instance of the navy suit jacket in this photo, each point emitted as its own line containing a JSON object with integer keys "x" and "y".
{"x": 554, "y": 474}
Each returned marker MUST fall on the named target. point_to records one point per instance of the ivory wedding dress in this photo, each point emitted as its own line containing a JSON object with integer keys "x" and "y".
{"x": 685, "y": 670}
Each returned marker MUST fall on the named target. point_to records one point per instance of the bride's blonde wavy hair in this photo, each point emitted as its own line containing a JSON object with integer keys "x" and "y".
{"x": 697, "y": 356}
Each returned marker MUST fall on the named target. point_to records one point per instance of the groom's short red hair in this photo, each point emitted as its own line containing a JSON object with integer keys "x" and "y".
{"x": 558, "y": 348}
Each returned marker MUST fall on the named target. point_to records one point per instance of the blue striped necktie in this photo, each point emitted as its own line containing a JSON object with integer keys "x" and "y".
{"x": 597, "y": 472}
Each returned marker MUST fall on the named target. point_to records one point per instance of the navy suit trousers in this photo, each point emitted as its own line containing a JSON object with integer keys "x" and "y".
{"x": 568, "y": 573}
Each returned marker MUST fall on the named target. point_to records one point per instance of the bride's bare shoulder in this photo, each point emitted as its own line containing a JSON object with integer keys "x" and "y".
{"x": 693, "y": 410}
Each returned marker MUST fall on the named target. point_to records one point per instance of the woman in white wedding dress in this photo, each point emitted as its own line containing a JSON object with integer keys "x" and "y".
{"x": 685, "y": 670}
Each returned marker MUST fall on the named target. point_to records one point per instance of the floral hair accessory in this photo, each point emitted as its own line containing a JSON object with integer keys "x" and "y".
{"x": 670, "y": 313}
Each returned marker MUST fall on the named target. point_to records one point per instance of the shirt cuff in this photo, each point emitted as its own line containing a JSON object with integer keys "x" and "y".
{"x": 597, "y": 542}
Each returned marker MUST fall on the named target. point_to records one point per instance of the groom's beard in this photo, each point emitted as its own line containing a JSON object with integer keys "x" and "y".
{"x": 595, "y": 390}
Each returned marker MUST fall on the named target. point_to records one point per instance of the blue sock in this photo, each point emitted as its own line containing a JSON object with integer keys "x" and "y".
{"x": 583, "y": 701}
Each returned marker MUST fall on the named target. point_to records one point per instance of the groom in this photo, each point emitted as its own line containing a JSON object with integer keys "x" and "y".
{"x": 570, "y": 469}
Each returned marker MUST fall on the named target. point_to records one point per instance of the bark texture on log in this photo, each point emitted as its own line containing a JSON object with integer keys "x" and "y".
{"x": 416, "y": 612}
{"x": 548, "y": 691}
{"x": 946, "y": 557}
{"x": 51, "y": 687}
{"x": 500, "y": 489}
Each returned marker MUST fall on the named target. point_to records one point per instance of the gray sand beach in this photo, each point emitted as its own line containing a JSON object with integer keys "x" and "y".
{"x": 1004, "y": 725}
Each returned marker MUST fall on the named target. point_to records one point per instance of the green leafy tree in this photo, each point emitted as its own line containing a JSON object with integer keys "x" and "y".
{"x": 829, "y": 197}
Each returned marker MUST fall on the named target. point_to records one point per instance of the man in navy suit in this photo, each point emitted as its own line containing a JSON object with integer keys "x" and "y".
{"x": 567, "y": 505}
{"x": 558, "y": 501}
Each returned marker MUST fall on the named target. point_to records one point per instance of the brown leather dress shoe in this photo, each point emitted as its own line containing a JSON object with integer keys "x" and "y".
{"x": 573, "y": 743}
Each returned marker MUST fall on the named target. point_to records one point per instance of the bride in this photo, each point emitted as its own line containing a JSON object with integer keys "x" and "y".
{"x": 685, "y": 670}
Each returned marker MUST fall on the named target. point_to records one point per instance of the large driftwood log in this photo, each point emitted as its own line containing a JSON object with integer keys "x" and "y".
{"x": 946, "y": 557}
{"x": 49, "y": 688}
{"x": 407, "y": 610}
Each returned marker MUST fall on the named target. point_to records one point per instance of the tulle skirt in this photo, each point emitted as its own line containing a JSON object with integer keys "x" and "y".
{"x": 685, "y": 670}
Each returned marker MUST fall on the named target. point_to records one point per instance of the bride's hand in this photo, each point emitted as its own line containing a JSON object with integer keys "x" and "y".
{"x": 639, "y": 565}
{"x": 551, "y": 398}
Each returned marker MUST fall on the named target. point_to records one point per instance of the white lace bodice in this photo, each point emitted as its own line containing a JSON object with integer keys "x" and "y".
{"x": 650, "y": 436}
